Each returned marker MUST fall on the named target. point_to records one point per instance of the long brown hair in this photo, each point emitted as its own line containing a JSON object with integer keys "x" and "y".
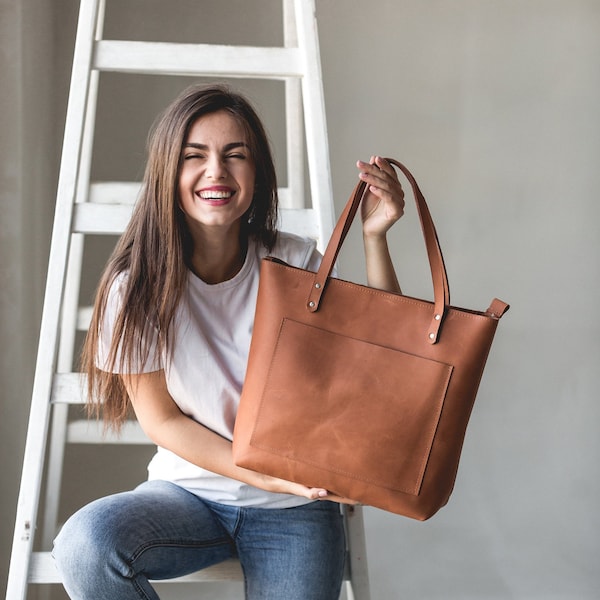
{"x": 155, "y": 250}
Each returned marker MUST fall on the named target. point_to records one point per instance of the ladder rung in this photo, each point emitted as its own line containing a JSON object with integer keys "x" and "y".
{"x": 197, "y": 59}
{"x": 88, "y": 431}
{"x": 42, "y": 569}
{"x": 114, "y": 192}
{"x": 84, "y": 318}
{"x": 302, "y": 221}
{"x": 126, "y": 192}
{"x": 229, "y": 570}
{"x": 68, "y": 388}
{"x": 100, "y": 218}
{"x": 93, "y": 217}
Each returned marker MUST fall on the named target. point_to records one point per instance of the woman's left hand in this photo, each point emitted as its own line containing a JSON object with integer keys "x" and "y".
{"x": 383, "y": 204}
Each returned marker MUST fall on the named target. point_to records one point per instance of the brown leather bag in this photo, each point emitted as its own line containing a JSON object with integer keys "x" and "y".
{"x": 359, "y": 391}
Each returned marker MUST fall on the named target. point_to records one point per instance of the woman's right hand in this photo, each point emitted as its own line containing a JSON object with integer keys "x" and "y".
{"x": 282, "y": 486}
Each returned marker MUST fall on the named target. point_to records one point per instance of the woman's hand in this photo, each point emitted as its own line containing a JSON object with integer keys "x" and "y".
{"x": 383, "y": 204}
{"x": 282, "y": 486}
{"x": 381, "y": 207}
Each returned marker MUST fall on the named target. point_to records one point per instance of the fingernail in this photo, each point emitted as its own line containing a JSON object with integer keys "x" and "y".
{"x": 322, "y": 494}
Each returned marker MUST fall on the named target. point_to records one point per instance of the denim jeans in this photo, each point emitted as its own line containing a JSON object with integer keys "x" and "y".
{"x": 109, "y": 549}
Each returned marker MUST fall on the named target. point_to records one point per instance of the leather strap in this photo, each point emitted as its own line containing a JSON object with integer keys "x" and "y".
{"x": 441, "y": 290}
{"x": 497, "y": 308}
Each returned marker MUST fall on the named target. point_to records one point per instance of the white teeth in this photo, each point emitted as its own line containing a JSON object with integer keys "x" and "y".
{"x": 214, "y": 195}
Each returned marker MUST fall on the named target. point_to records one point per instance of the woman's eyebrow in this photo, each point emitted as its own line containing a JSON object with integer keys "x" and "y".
{"x": 226, "y": 148}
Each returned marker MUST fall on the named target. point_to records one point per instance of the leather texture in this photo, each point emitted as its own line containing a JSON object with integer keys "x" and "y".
{"x": 363, "y": 392}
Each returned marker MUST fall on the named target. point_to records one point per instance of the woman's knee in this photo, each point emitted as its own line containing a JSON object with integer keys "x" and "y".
{"x": 82, "y": 541}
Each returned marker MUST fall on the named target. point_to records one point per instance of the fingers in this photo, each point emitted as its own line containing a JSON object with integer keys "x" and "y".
{"x": 340, "y": 500}
{"x": 325, "y": 495}
{"x": 386, "y": 198}
{"x": 322, "y": 494}
{"x": 381, "y": 177}
{"x": 378, "y": 167}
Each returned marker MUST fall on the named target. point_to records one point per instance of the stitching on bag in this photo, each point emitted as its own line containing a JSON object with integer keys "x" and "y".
{"x": 446, "y": 383}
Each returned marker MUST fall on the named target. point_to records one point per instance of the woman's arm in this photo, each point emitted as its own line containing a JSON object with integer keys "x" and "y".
{"x": 165, "y": 424}
{"x": 381, "y": 207}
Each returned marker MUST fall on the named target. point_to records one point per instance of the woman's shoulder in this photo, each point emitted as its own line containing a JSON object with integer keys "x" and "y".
{"x": 294, "y": 249}
{"x": 117, "y": 284}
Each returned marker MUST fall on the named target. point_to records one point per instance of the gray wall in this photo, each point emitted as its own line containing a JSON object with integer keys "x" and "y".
{"x": 494, "y": 106}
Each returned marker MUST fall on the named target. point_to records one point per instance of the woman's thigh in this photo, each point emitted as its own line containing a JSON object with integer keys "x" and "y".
{"x": 111, "y": 547}
{"x": 292, "y": 554}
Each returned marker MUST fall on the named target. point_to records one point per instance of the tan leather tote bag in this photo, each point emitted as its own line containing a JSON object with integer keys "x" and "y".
{"x": 363, "y": 392}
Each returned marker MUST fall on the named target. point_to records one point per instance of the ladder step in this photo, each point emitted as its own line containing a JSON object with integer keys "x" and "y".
{"x": 42, "y": 569}
{"x": 84, "y": 431}
{"x": 198, "y": 60}
{"x": 114, "y": 192}
{"x": 68, "y": 388}
{"x": 101, "y": 219}
{"x": 111, "y": 219}
{"x": 126, "y": 192}
{"x": 84, "y": 318}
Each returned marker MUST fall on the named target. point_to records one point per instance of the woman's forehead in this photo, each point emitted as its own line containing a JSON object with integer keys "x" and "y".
{"x": 217, "y": 126}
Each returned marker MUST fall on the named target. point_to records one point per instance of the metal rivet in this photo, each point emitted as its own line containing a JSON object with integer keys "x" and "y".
{"x": 438, "y": 317}
{"x": 432, "y": 336}
{"x": 311, "y": 304}
{"x": 318, "y": 286}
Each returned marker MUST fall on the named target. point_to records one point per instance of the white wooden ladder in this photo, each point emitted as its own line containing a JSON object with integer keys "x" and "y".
{"x": 95, "y": 208}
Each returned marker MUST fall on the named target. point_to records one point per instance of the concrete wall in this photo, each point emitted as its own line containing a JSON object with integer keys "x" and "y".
{"x": 493, "y": 105}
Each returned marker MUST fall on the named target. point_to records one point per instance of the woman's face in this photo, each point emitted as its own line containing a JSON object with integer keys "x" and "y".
{"x": 216, "y": 182}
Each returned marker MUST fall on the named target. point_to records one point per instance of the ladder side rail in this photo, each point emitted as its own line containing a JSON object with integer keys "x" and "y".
{"x": 358, "y": 579}
{"x": 70, "y": 311}
{"x": 60, "y": 412}
{"x": 56, "y": 446}
{"x": 27, "y": 506}
{"x": 294, "y": 122}
{"x": 294, "y": 144}
{"x": 316, "y": 127}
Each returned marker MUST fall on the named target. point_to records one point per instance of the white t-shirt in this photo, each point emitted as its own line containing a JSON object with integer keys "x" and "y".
{"x": 205, "y": 373}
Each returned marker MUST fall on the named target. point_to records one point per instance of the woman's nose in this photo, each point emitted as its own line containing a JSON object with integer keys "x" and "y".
{"x": 215, "y": 168}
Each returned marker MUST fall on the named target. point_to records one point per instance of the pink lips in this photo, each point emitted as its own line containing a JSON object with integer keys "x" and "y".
{"x": 216, "y": 195}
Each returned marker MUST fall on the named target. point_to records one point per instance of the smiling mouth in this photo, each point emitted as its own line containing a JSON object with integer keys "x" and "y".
{"x": 215, "y": 194}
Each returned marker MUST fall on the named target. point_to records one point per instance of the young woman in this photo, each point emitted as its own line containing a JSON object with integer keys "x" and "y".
{"x": 170, "y": 337}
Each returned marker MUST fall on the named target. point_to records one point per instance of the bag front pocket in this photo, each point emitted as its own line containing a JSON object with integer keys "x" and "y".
{"x": 356, "y": 409}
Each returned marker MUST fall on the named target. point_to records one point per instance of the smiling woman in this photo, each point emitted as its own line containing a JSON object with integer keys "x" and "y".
{"x": 170, "y": 336}
{"x": 216, "y": 189}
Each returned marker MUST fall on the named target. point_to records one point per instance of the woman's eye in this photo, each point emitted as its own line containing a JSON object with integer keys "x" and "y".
{"x": 236, "y": 155}
{"x": 190, "y": 156}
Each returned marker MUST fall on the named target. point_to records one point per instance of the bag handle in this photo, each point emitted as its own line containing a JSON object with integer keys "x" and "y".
{"x": 441, "y": 291}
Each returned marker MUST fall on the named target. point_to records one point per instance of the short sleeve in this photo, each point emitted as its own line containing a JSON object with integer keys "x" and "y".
{"x": 139, "y": 364}
{"x": 299, "y": 252}
{"x": 314, "y": 262}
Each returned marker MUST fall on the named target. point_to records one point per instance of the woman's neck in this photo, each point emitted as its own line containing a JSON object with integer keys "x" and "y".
{"x": 218, "y": 258}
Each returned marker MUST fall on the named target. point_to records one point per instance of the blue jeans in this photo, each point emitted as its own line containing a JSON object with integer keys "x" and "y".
{"x": 111, "y": 548}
